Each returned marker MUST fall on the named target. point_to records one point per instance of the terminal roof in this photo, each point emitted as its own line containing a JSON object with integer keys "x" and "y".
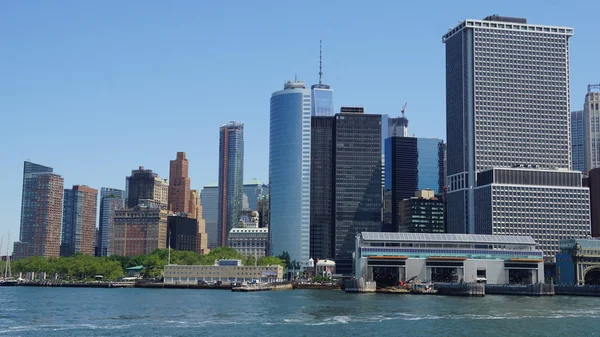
{"x": 460, "y": 238}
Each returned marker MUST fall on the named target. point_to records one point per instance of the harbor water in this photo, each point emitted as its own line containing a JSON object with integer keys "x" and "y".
{"x": 33, "y": 311}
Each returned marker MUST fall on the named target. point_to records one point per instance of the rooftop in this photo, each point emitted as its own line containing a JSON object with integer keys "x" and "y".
{"x": 455, "y": 238}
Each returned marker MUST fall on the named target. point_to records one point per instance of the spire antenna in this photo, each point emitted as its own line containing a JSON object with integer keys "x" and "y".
{"x": 320, "y": 61}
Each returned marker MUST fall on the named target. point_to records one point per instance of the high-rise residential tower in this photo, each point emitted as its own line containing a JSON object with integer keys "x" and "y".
{"x": 209, "y": 199}
{"x": 41, "y": 212}
{"x": 231, "y": 175}
{"x": 322, "y": 95}
{"x": 179, "y": 184}
{"x": 504, "y": 76}
{"x": 79, "y": 221}
{"x": 144, "y": 186}
{"x": 111, "y": 200}
{"x": 289, "y": 171}
{"x": 578, "y": 141}
{"x": 591, "y": 112}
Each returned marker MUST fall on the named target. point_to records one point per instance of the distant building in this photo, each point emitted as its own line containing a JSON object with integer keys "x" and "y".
{"x": 254, "y": 190}
{"x": 423, "y": 213}
{"x": 321, "y": 94}
{"x": 578, "y": 262}
{"x": 179, "y": 184}
{"x": 413, "y": 164}
{"x": 263, "y": 211}
{"x": 593, "y": 182}
{"x": 209, "y": 199}
{"x": 578, "y": 125}
{"x": 41, "y": 212}
{"x": 145, "y": 186}
{"x": 196, "y": 211}
{"x": 250, "y": 241}
{"x": 139, "y": 230}
{"x": 79, "y": 220}
{"x": 183, "y": 233}
{"x": 192, "y": 274}
{"x": 591, "y": 115}
{"x": 548, "y": 205}
{"x": 231, "y": 175}
{"x": 389, "y": 258}
{"x": 289, "y": 171}
{"x": 111, "y": 200}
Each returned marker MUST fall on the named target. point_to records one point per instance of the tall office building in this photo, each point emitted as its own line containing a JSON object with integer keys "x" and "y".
{"x": 578, "y": 141}
{"x": 504, "y": 75}
{"x": 231, "y": 175}
{"x": 289, "y": 171}
{"x": 179, "y": 184}
{"x": 195, "y": 211}
{"x": 41, "y": 212}
{"x": 322, "y": 95}
{"x": 591, "y": 112}
{"x": 321, "y": 188}
{"x": 253, "y": 190}
{"x": 209, "y": 199}
{"x": 79, "y": 221}
{"x": 111, "y": 200}
{"x": 144, "y": 186}
{"x": 412, "y": 164}
{"x": 357, "y": 192}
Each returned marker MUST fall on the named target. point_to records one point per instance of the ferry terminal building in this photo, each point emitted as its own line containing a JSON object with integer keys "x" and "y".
{"x": 388, "y": 258}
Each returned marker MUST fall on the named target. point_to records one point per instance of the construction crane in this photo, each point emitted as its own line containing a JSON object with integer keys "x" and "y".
{"x": 398, "y": 119}
{"x": 403, "y": 108}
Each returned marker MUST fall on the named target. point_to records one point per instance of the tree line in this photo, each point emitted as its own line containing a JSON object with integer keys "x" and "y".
{"x": 82, "y": 267}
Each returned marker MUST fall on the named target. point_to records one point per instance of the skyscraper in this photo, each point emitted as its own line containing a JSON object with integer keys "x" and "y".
{"x": 322, "y": 95}
{"x": 254, "y": 189}
{"x": 179, "y": 184}
{"x": 504, "y": 75}
{"x": 195, "y": 211}
{"x": 412, "y": 164}
{"x": 231, "y": 175}
{"x": 145, "y": 186}
{"x": 490, "y": 106}
{"x": 79, "y": 221}
{"x": 289, "y": 171}
{"x": 578, "y": 141}
{"x": 111, "y": 200}
{"x": 209, "y": 199}
{"x": 357, "y": 192}
{"x": 41, "y": 212}
{"x": 591, "y": 112}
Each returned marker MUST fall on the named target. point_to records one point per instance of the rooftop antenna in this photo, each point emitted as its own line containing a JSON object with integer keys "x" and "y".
{"x": 320, "y": 61}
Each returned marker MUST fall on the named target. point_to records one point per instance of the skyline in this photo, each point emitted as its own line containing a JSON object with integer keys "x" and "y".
{"x": 109, "y": 82}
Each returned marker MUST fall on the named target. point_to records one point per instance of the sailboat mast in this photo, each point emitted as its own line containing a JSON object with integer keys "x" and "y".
{"x": 169, "y": 242}
{"x": 7, "y": 271}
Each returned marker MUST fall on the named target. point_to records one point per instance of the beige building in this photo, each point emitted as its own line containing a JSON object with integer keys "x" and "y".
{"x": 195, "y": 210}
{"x": 138, "y": 231}
{"x": 191, "y": 274}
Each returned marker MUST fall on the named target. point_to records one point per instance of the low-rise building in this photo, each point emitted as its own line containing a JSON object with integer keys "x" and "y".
{"x": 325, "y": 268}
{"x": 388, "y": 258}
{"x": 192, "y": 274}
{"x": 578, "y": 262}
{"x": 250, "y": 241}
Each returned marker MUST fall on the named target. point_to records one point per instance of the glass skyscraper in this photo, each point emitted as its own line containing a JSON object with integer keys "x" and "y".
{"x": 209, "y": 199}
{"x": 231, "y": 178}
{"x": 578, "y": 140}
{"x": 111, "y": 199}
{"x": 322, "y": 100}
{"x": 289, "y": 171}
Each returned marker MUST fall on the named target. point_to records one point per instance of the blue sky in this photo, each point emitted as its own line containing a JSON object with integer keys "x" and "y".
{"x": 97, "y": 88}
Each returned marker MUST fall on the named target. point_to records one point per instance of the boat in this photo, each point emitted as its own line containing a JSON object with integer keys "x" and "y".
{"x": 7, "y": 279}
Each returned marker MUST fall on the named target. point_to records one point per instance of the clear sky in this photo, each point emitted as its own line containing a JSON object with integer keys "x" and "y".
{"x": 96, "y": 88}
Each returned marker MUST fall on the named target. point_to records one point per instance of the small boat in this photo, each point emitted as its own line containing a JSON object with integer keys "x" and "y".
{"x": 11, "y": 281}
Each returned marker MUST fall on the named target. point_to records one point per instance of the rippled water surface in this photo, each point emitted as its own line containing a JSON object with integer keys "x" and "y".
{"x": 29, "y": 311}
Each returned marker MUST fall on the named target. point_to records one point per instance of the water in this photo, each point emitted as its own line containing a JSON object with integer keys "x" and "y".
{"x": 32, "y": 311}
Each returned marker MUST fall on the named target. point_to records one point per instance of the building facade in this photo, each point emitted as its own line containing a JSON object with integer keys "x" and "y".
{"x": 183, "y": 233}
{"x": 289, "y": 171}
{"x": 250, "y": 241}
{"x": 139, "y": 230}
{"x": 111, "y": 200}
{"x": 357, "y": 192}
{"x": 389, "y": 258}
{"x": 413, "y": 164}
{"x": 179, "y": 184}
{"x": 254, "y": 190}
{"x": 144, "y": 186}
{"x": 79, "y": 221}
{"x": 591, "y": 115}
{"x": 193, "y": 274}
{"x": 423, "y": 213}
{"x": 578, "y": 141}
{"x": 321, "y": 188}
{"x": 263, "y": 211}
{"x": 593, "y": 182}
{"x": 196, "y": 211}
{"x": 41, "y": 212}
{"x": 578, "y": 262}
{"x": 490, "y": 107}
{"x": 209, "y": 199}
{"x": 231, "y": 175}
{"x": 548, "y": 205}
